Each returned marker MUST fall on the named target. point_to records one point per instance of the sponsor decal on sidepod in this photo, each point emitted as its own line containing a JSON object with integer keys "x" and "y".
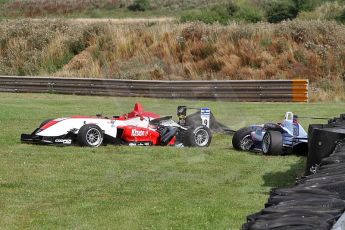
{"x": 139, "y": 133}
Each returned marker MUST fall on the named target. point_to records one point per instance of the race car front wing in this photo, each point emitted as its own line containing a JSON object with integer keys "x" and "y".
{"x": 35, "y": 139}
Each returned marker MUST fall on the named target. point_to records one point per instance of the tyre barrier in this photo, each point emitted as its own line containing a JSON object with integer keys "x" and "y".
{"x": 317, "y": 200}
{"x": 322, "y": 140}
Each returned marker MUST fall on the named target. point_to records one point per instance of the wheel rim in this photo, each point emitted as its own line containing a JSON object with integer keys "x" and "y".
{"x": 246, "y": 143}
{"x": 266, "y": 142}
{"x": 201, "y": 137}
{"x": 93, "y": 137}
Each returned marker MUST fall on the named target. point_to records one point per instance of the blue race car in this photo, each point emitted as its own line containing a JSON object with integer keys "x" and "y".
{"x": 273, "y": 138}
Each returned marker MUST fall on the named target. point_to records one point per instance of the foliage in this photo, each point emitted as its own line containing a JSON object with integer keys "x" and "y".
{"x": 280, "y": 10}
{"x": 249, "y": 14}
{"x": 31, "y": 48}
{"x": 192, "y": 51}
{"x": 223, "y": 13}
{"x": 36, "y": 8}
{"x": 208, "y": 11}
{"x": 330, "y": 10}
{"x": 98, "y": 8}
{"x": 215, "y": 14}
{"x": 307, "y": 5}
{"x": 249, "y": 11}
{"x": 232, "y": 8}
{"x": 139, "y": 5}
{"x": 341, "y": 17}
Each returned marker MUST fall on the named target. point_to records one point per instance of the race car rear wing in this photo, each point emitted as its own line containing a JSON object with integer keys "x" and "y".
{"x": 205, "y": 114}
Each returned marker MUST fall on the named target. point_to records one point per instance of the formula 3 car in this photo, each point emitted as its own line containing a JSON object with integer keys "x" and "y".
{"x": 135, "y": 128}
{"x": 273, "y": 138}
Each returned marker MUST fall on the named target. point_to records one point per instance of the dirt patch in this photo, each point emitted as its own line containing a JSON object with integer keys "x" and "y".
{"x": 215, "y": 126}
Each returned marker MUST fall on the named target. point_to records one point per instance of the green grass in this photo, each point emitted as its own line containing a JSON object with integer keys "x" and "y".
{"x": 136, "y": 187}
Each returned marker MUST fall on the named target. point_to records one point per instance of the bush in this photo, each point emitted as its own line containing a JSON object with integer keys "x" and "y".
{"x": 249, "y": 14}
{"x": 139, "y": 5}
{"x": 307, "y": 5}
{"x": 215, "y": 14}
{"x": 341, "y": 17}
{"x": 277, "y": 11}
{"x": 326, "y": 11}
{"x": 223, "y": 13}
{"x": 232, "y": 8}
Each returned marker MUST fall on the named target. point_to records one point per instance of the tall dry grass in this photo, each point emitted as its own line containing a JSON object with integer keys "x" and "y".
{"x": 299, "y": 49}
{"x": 38, "y": 8}
{"x": 35, "y": 8}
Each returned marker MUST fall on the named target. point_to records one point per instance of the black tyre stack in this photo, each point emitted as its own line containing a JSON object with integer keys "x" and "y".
{"x": 317, "y": 200}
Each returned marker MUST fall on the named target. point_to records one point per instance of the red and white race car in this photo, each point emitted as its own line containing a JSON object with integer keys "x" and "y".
{"x": 135, "y": 128}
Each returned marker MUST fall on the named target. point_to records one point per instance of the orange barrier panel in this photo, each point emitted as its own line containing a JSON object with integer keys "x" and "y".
{"x": 300, "y": 90}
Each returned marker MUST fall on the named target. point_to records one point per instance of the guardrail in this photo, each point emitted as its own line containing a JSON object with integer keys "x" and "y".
{"x": 248, "y": 90}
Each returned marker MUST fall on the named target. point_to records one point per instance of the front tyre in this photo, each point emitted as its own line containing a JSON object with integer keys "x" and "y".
{"x": 242, "y": 139}
{"x": 200, "y": 136}
{"x": 90, "y": 135}
{"x": 272, "y": 143}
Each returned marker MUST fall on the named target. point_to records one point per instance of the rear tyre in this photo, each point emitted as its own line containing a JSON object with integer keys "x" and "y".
{"x": 200, "y": 136}
{"x": 272, "y": 143}
{"x": 242, "y": 139}
{"x": 90, "y": 136}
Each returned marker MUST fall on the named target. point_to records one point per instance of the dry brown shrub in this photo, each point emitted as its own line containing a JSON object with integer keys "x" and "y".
{"x": 202, "y": 50}
{"x": 298, "y": 49}
{"x": 212, "y": 65}
{"x": 231, "y": 66}
{"x": 157, "y": 74}
{"x": 190, "y": 71}
{"x": 193, "y": 32}
{"x": 81, "y": 65}
{"x": 265, "y": 58}
{"x": 247, "y": 52}
{"x": 245, "y": 73}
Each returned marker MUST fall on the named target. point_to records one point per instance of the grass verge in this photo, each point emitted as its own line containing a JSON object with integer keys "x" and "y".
{"x": 134, "y": 187}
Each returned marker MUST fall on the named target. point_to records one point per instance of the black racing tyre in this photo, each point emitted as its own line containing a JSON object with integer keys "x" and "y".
{"x": 272, "y": 143}
{"x": 312, "y": 127}
{"x": 45, "y": 122}
{"x": 90, "y": 135}
{"x": 242, "y": 139}
{"x": 272, "y": 126}
{"x": 301, "y": 149}
{"x": 200, "y": 136}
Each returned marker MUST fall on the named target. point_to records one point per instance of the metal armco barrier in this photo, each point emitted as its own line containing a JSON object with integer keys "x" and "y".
{"x": 265, "y": 90}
